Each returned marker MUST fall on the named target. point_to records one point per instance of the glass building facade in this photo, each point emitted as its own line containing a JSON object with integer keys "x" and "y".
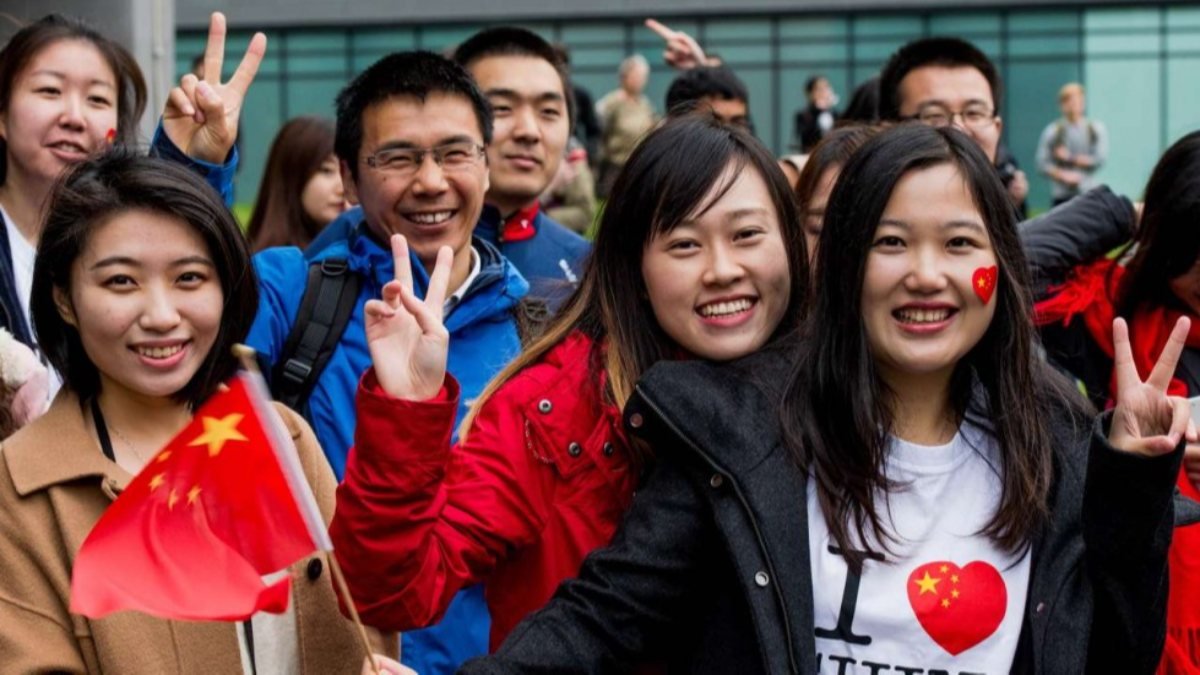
{"x": 1140, "y": 64}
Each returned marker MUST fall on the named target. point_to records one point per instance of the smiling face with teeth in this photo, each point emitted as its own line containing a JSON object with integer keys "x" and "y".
{"x": 432, "y": 207}
{"x": 719, "y": 283}
{"x": 62, "y": 105}
{"x": 147, "y": 309}
{"x": 919, "y": 309}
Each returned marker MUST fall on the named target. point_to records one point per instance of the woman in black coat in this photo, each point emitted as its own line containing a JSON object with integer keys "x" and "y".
{"x": 921, "y": 494}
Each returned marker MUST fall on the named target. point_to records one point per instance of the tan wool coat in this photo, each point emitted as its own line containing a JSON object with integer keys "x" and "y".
{"x": 54, "y": 484}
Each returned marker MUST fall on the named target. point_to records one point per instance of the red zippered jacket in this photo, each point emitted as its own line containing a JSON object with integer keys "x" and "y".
{"x": 544, "y": 478}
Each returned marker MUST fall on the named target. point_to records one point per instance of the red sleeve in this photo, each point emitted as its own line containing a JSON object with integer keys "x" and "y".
{"x": 417, "y": 520}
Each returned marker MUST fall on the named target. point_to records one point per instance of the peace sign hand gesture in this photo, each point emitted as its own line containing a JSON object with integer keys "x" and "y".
{"x": 1146, "y": 421}
{"x": 201, "y": 115}
{"x": 406, "y": 337}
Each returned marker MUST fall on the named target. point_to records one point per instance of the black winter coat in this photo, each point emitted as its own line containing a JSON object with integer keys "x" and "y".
{"x": 710, "y": 570}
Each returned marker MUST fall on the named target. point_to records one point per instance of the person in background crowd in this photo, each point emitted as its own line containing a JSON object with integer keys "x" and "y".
{"x": 1010, "y": 173}
{"x": 714, "y": 88}
{"x": 788, "y": 528}
{"x": 412, "y": 133}
{"x": 1151, "y": 286}
{"x": 301, "y": 190}
{"x": 863, "y": 107}
{"x": 530, "y": 94}
{"x": 570, "y": 198}
{"x": 944, "y": 82}
{"x": 625, "y": 116}
{"x": 66, "y": 91}
{"x": 815, "y": 183}
{"x": 698, "y": 255}
{"x": 817, "y": 118}
{"x": 141, "y": 326}
{"x": 1072, "y": 148}
{"x": 587, "y": 127}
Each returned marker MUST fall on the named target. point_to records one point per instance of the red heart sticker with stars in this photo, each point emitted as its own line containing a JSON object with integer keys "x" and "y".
{"x": 958, "y": 607}
{"x": 984, "y": 282}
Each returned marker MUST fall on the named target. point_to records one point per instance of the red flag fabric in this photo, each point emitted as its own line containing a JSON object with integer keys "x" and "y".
{"x": 194, "y": 532}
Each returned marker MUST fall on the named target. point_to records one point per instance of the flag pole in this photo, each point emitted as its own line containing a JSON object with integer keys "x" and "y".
{"x": 246, "y": 355}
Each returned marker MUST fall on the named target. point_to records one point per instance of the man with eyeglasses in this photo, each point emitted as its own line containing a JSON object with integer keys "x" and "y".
{"x": 412, "y": 134}
{"x": 411, "y": 137}
{"x": 947, "y": 81}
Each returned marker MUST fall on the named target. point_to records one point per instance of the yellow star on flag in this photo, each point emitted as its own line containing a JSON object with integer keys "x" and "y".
{"x": 193, "y": 494}
{"x": 163, "y": 456}
{"x": 157, "y": 481}
{"x": 218, "y": 431}
{"x": 172, "y": 499}
{"x": 946, "y": 603}
{"x": 928, "y": 584}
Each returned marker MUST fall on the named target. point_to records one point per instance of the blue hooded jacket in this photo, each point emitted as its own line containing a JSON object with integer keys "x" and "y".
{"x": 483, "y": 339}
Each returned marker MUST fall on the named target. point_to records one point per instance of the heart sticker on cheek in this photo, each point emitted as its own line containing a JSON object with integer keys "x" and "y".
{"x": 984, "y": 282}
{"x": 111, "y": 136}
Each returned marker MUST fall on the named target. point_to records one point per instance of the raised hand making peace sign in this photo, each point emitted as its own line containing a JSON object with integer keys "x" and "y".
{"x": 405, "y": 335}
{"x": 1147, "y": 421}
{"x": 201, "y": 115}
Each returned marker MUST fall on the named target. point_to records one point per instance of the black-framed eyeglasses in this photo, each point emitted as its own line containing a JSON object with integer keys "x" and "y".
{"x": 935, "y": 115}
{"x": 405, "y": 161}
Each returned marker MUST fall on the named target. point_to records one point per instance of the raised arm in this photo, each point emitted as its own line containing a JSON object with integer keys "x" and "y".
{"x": 1128, "y": 510}
{"x": 416, "y": 519}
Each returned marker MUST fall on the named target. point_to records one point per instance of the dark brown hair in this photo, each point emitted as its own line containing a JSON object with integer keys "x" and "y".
{"x": 92, "y": 193}
{"x": 834, "y": 150}
{"x": 29, "y": 41}
{"x": 279, "y": 218}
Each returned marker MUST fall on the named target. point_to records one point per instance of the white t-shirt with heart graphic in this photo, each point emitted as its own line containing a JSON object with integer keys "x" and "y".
{"x": 946, "y": 598}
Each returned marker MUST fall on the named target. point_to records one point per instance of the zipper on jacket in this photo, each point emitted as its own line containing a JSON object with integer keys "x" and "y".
{"x": 762, "y": 545}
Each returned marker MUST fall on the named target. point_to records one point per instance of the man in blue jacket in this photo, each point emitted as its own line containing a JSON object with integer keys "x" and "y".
{"x": 411, "y": 135}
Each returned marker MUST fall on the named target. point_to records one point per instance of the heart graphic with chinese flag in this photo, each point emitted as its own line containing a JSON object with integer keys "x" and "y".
{"x": 984, "y": 282}
{"x": 958, "y": 607}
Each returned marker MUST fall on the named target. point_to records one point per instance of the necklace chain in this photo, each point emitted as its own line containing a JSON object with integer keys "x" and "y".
{"x": 128, "y": 443}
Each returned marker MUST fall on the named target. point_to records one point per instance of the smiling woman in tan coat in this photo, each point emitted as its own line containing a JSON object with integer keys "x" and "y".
{"x": 142, "y": 284}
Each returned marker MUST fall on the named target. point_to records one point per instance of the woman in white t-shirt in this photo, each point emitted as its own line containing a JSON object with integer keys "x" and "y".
{"x": 921, "y": 495}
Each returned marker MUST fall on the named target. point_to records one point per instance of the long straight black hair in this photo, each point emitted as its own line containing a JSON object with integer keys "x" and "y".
{"x": 838, "y": 413}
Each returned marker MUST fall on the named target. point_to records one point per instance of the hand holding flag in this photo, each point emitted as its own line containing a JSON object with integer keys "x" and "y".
{"x": 224, "y": 503}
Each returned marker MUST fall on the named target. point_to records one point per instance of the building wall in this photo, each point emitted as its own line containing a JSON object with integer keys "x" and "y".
{"x": 1138, "y": 61}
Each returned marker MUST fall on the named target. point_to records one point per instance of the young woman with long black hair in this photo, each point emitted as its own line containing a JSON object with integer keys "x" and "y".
{"x": 922, "y": 494}
{"x": 1151, "y": 285}
{"x": 699, "y": 255}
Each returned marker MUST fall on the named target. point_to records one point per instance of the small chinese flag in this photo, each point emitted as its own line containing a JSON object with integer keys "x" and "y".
{"x": 224, "y": 503}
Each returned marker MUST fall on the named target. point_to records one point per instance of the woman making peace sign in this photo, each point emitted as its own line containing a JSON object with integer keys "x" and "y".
{"x": 932, "y": 497}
